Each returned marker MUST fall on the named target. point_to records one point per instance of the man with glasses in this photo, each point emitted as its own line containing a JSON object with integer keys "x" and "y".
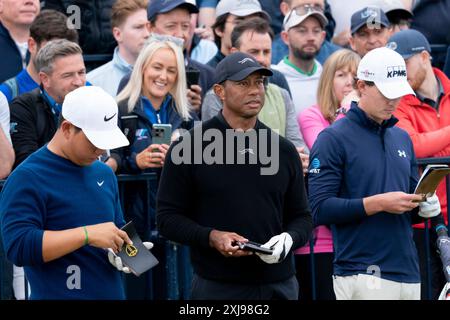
{"x": 304, "y": 34}
{"x": 369, "y": 29}
{"x": 280, "y": 49}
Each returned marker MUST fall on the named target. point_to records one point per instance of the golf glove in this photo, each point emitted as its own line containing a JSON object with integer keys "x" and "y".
{"x": 430, "y": 208}
{"x": 281, "y": 244}
{"x": 116, "y": 261}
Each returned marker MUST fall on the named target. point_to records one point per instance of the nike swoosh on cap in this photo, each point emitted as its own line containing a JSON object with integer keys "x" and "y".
{"x": 107, "y": 119}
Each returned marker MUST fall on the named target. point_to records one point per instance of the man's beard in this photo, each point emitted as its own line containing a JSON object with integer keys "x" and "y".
{"x": 417, "y": 81}
{"x": 302, "y": 55}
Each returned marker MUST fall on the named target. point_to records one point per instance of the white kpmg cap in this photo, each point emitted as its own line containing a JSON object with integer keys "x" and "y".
{"x": 387, "y": 69}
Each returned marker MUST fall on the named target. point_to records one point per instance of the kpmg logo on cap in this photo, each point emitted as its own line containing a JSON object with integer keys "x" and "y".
{"x": 246, "y": 60}
{"x": 396, "y": 72}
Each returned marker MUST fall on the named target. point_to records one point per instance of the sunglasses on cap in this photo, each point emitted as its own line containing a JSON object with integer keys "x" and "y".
{"x": 165, "y": 38}
{"x": 304, "y": 9}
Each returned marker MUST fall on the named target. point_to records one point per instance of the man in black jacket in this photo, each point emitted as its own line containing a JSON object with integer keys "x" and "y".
{"x": 94, "y": 17}
{"x": 16, "y": 17}
{"x": 213, "y": 195}
{"x": 34, "y": 115}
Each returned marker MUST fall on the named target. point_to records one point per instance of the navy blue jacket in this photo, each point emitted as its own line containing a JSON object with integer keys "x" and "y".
{"x": 357, "y": 158}
{"x": 136, "y": 206}
{"x": 11, "y": 60}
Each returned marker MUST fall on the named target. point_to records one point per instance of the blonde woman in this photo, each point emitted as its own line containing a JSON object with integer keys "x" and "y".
{"x": 334, "y": 94}
{"x": 156, "y": 93}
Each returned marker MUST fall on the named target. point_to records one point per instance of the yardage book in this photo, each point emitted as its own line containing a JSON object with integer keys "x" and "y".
{"x": 430, "y": 179}
{"x": 136, "y": 256}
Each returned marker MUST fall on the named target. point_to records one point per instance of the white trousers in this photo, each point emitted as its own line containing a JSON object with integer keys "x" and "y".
{"x": 369, "y": 287}
{"x": 19, "y": 283}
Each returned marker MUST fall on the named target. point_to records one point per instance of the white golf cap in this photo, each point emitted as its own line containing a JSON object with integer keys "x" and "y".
{"x": 293, "y": 18}
{"x": 95, "y": 112}
{"x": 387, "y": 69}
{"x": 240, "y": 8}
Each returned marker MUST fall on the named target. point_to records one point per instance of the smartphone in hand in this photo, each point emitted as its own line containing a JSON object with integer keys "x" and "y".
{"x": 192, "y": 77}
{"x": 252, "y": 246}
{"x": 161, "y": 133}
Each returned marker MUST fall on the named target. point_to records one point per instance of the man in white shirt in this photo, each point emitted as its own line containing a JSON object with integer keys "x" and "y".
{"x": 6, "y": 149}
{"x": 304, "y": 34}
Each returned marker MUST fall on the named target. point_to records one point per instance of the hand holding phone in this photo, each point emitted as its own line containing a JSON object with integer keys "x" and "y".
{"x": 252, "y": 246}
{"x": 192, "y": 77}
{"x": 161, "y": 133}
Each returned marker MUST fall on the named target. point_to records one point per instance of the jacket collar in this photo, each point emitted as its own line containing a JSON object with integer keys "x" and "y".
{"x": 120, "y": 63}
{"x": 445, "y": 82}
{"x": 359, "y": 116}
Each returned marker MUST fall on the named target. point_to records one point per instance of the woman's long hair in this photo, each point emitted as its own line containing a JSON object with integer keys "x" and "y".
{"x": 326, "y": 97}
{"x": 133, "y": 89}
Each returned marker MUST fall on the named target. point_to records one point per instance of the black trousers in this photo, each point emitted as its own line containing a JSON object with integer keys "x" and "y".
{"x": 204, "y": 289}
{"x": 437, "y": 275}
{"x": 323, "y": 279}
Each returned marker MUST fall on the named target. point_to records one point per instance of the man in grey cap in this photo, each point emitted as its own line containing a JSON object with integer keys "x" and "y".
{"x": 228, "y": 14}
{"x": 216, "y": 207}
{"x": 398, "y": 14}
{"x": 426, "y": 117}
{"x": 369, "y": 29}
{"x": 304, "y": 34}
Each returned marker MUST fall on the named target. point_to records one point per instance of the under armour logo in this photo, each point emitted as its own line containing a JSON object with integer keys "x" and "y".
{"x": 246, "y": 151}
{"x": 100, "y": 183}
{"x": 246, "y": 60}
{"x": 401, "y": 153}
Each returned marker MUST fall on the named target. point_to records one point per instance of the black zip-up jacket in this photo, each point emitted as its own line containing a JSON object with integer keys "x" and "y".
{"x": 140, "y": 196}
{"x": 95, "y": 33}
{"x": 33, "y": 124}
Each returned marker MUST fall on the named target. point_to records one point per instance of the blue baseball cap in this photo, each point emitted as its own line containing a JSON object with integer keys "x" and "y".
{"x": 408, "y": 43}
{"x": 156, "y": 7}
{"x": 238, "y": 66}
{"x": 370, "y": 16}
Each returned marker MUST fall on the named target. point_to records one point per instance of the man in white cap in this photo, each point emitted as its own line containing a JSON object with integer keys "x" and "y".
{"x": 362, "y": 178}
{"x": 303, "y": 34}
{"x": 228, "y": 14}
{"x": 60, "y": 209}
